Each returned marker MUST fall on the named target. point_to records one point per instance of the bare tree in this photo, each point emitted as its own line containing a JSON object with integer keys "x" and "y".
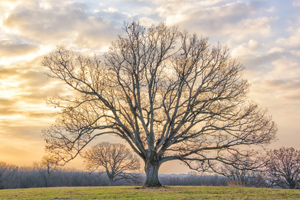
{"x": 169, "y": 94}
{"x": 46, "y": 167}
{"x": 283, "y": 167}
{"x": 116, "y": 160}
{"x": 246, "y": 171}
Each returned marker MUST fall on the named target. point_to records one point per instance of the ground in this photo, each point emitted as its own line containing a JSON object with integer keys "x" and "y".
{"x": 178, "y": 192}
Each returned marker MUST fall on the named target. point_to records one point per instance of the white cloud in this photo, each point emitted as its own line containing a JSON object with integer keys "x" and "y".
{"x": 64, "y": 23}
{"x": 175, "y": 19}
{"x": 276, "y": 50}
{"x": 111, "y": 10}
{"x": 146, "y": 21}
{"x": 13, "y": 48}
{"x": 250, "y": 27}
{"x": 293, "y": 40}
{"x": 45, "y": 5}
{"x": 296, "y": 3}
{"x": 237, "y": 19}
{"x": 173, "y": 8}
{"x": 272, "y": 9}
{"x": 253, "y": 44}
{"x": 245, "y": 49}
{"x": 284, "y": 69}
{"x": 295, "y": 53}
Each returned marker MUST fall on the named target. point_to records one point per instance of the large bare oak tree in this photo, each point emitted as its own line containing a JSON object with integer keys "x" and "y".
{"x": 170, "y": 95}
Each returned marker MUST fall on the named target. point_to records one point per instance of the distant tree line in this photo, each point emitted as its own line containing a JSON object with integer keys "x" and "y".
{"x": 30, "y": 177}
{"x": 12, "y": 176}
{"x": 277, "y": 168}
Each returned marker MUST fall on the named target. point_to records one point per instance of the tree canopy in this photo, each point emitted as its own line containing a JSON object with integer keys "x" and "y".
{"x": 170, "y": 95}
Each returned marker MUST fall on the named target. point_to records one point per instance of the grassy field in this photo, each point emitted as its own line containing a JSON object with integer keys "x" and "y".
{"x": 160, "y": 193}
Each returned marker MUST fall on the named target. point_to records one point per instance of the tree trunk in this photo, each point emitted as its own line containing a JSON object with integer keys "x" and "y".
{"x": 111, "y": 181}
{"x": 151, "y": 169}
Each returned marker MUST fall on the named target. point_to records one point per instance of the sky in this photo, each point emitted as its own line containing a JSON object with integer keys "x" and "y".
{"x": 263, "y": 35}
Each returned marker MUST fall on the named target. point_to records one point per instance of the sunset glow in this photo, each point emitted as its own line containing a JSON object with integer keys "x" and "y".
{"x": 263, "y": 35}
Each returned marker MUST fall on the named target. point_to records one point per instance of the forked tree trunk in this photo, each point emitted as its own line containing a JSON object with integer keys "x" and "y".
{"x": 151, "y": 169}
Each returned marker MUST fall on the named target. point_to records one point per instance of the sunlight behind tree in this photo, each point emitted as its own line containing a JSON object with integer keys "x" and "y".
{"x": 168, "y": 94}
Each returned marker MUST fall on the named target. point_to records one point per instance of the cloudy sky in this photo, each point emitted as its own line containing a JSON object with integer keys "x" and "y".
{"x": 264, "y": 35}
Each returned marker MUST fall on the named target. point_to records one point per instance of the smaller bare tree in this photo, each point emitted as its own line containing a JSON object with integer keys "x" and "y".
{"x": 244, "y": 170}
{"x": 283, "y": 167}
{"x": 115, "y": 159}
{"x": 46, "y": 167}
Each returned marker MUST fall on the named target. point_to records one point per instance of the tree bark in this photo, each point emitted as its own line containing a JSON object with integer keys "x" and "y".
{"x": 151, "y": 169}
{"x": 111, "y": 181}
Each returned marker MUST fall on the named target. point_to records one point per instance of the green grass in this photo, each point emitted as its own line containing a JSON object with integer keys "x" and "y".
{"x": 179, "y": 192}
